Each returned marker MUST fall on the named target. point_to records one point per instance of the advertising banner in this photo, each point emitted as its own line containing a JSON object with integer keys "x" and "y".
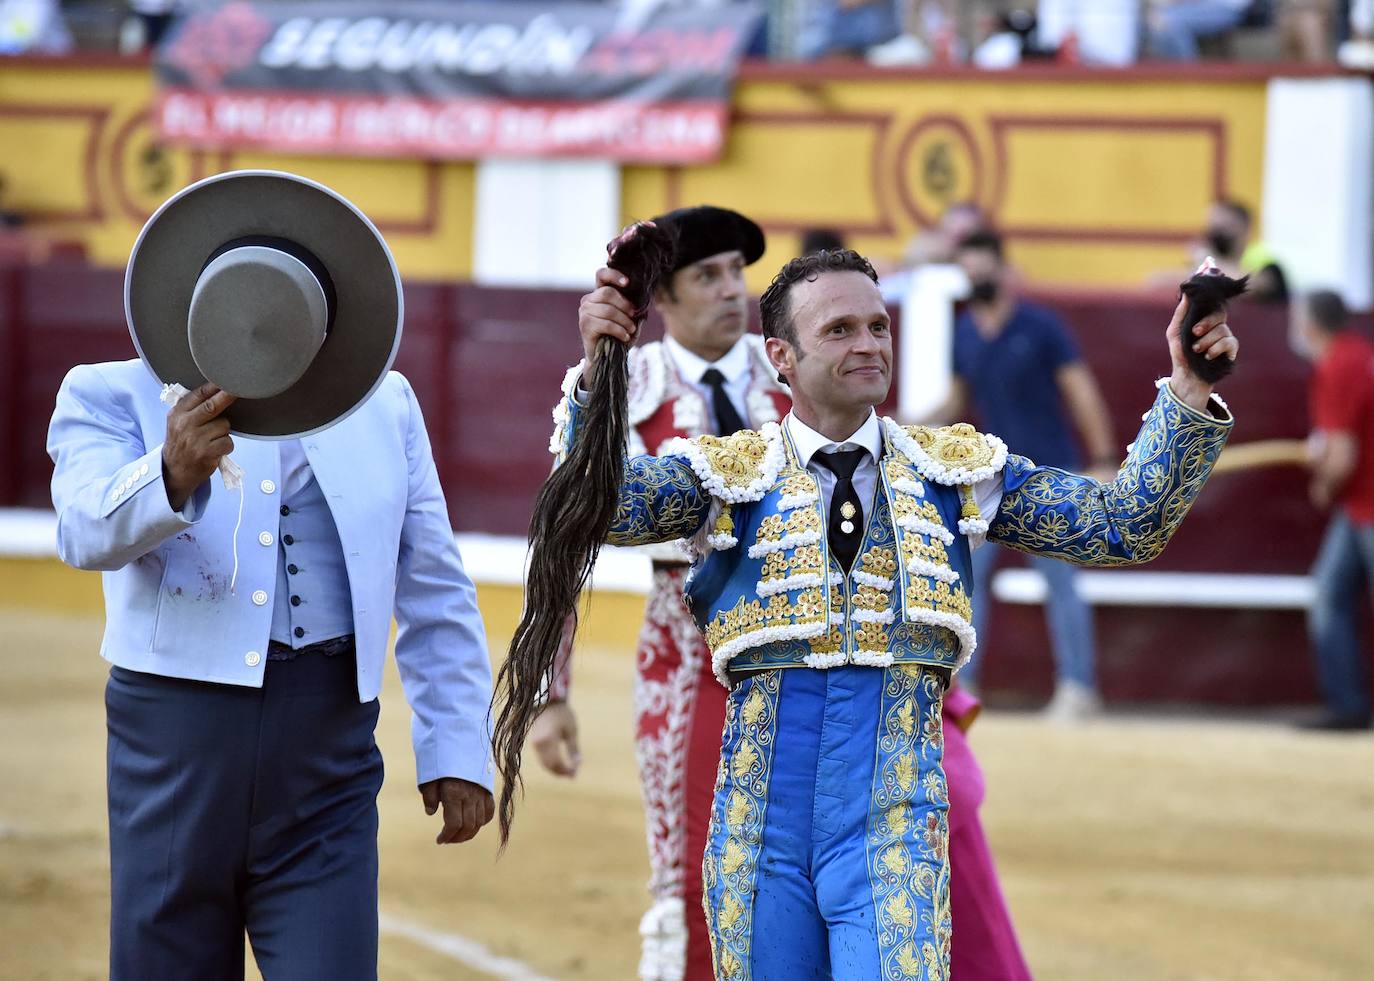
{"x": 449, "y": 80}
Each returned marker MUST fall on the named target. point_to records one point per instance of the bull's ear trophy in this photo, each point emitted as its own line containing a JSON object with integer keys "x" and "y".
{"x": 572, "y": 516}
{"x": 1208, "y": 290}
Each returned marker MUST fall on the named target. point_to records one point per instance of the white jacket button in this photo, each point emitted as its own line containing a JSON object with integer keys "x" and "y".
{"x": 252, "y": 658}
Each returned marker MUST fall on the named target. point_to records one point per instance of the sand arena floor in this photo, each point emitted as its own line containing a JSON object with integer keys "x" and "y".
{"x": 1140, "y": 847}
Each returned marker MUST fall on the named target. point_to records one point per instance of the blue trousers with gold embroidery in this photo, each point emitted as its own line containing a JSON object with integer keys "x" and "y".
{"x": 827, "y": 855}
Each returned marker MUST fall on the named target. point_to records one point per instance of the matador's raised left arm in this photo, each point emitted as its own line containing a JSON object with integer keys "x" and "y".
{"x": 1128, "y": 521}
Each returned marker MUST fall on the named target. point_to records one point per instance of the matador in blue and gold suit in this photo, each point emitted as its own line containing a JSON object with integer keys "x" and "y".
{"x": 827, "y": 852}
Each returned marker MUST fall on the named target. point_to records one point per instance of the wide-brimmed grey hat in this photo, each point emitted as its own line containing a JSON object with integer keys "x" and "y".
{"x": 274, "y": 288}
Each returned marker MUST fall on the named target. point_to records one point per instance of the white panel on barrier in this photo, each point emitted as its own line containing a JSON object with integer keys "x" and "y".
{"x": 1210, "y": 590}
{"x": 1319, "y": 183}
{"x": 926, "y": 344}
{"x": 543, "y": 222}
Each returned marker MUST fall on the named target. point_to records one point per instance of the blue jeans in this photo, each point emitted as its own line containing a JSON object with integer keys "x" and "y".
{"x": 1070, "y": 619}
{"x": 1344, "y": 569}
{"x": 1175, "y": 29}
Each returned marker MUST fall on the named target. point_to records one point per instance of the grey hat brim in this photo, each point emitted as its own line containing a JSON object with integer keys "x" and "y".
{"x": 172, "y": 249}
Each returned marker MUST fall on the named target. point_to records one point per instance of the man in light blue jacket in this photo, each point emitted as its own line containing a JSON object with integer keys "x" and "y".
{"x": 247, "y": 620}
{"x": 262, "y": 683}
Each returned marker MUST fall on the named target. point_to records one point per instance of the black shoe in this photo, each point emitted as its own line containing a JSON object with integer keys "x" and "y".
{"x": 1336, "y": 723}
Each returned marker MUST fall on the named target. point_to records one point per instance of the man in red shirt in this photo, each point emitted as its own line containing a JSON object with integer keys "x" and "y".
{"x": 1341, "y": 459}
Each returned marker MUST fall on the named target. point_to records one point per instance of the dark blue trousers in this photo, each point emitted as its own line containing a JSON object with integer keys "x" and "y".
{"x": 236, "y": 809}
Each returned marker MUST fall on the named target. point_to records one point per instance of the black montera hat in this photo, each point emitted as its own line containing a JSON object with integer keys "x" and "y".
{"x": 706, "y": 230}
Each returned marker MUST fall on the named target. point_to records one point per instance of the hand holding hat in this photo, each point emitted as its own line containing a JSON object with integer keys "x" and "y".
{"x": 197, "y": 441}
{"x": 273, "y": 288}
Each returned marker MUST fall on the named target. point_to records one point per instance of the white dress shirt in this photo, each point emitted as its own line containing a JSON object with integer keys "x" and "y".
{"x": 734, "y": 366}
{"x": 869, "y": 436}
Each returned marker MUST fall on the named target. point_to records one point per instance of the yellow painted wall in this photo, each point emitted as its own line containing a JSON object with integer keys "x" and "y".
{"x": 1097, "y": 179}
{"x": 77, "y": 147}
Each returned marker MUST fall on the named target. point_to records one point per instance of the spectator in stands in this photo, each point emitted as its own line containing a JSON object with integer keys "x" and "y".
{"x": 1017, "y": 366}
{"x": 1358, "y": 51}
{"x": 1341, "y": 460}
{"x": 33, "y": 27}
{"x": 1175, "y": 27}
{"x": 1306, "y": 29}
{"x": 848, "y": 28}
{"x": 1104, "y": 32}
{"x": 149, "y": 24}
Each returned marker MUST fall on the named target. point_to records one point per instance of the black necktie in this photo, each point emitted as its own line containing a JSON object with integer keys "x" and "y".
{"x": 727, "y": 419}
{"x": 846, "y": 513}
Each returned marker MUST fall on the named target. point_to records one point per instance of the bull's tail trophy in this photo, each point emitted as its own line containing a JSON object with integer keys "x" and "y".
{"x": 572, "y": 516}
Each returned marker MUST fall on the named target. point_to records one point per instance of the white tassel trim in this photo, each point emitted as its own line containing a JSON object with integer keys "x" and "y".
{"x": 790, "y": 502}
{"x": 972, "y": 527}
{"x": 836, "y": 579}
{"x": 837, "y": 620}
{"x": 1163, "y": 383}
{"x": 872, "y": 659}
{"x": 874, "y": 616}
{"x": 925, "y": 567}
{"x": 941, "y": 473}
{"x": 689, "y": 412}
{"x": 869, "y": 579}
{"x": 794, "y": 540}
{"x": 562, "y": 414}
{"x": 720, "y": 658}
{"x": 773, "y": 459}
{"x": 961, "y": 628}
{"x": 770, "y": 587}
{"x": 924, "y": 526}
{"x": 707, "y": 540}
{"x": 826, "y": 660}
{"x": 908, "y": 486}
{"x": 761, "y": 406}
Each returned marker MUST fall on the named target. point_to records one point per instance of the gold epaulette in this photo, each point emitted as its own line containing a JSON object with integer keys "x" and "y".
{"x": 738, "y": 467}
{"x": 957, "y": 454}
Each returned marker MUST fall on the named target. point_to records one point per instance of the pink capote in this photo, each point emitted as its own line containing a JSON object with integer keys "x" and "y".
{"x": 983, "y": 947}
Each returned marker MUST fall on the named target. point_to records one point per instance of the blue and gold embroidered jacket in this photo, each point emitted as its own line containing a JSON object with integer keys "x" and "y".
{"x": 766, "y": 592}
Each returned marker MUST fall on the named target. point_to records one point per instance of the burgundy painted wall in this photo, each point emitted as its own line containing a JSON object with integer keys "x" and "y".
{"x": 486, "y": 365}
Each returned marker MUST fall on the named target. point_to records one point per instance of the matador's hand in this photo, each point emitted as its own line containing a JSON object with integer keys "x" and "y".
{"x": 605, "y": 312}
{"x": 1211, "y": 338}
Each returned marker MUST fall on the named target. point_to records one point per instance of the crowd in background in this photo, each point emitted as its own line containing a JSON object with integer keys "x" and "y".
{"x": 990, "y": 34}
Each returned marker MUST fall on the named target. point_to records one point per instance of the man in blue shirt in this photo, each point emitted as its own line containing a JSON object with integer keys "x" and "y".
{"x": 1018, "y": 368}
